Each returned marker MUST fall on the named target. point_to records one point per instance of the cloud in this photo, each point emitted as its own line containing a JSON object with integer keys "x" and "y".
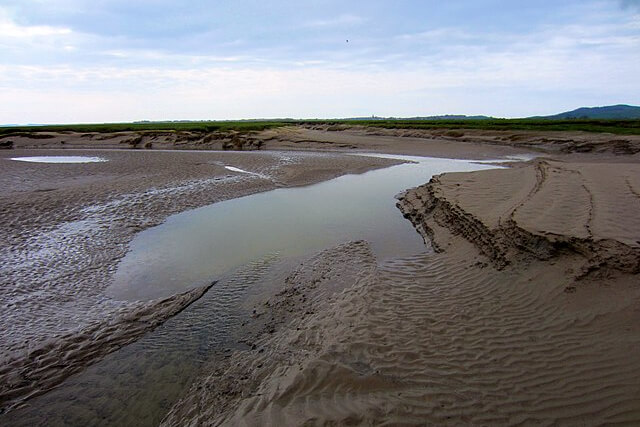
{"x": 341, "y": 20}
{"x": 327, "y": 87}
{"x": 142, "y": 55}
{"x": 439, "y": 35}
{"x": 8, "y": 28}
{"x": 301, "y": 66}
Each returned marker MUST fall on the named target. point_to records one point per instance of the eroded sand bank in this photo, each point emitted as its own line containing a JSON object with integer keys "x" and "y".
{"x": 543, "y": 210}
{"x": 451, "y": 143}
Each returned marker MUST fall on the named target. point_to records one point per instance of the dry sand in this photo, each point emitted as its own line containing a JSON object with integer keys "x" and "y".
{"x": 544, "y": 210}
{"x": 526, "y": 311}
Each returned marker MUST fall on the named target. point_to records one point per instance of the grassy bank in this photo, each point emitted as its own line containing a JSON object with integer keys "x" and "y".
{"x": 628, "y": 127}
{"x": 240, "y": 126}
{"x": 625, "y": 127}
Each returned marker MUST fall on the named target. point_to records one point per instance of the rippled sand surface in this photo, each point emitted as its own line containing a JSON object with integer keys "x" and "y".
{"x": 525, "y": 313}
{"x": 435, "y": 338}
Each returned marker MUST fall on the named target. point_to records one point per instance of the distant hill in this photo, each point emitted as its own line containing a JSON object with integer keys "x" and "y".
{"x": 613, "y": 112}
{"x": 609, "y": 112}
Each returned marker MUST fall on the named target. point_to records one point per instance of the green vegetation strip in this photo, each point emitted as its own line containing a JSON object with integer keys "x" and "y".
{"x": 203, "y": 127}
{"x": 628, "y": 127}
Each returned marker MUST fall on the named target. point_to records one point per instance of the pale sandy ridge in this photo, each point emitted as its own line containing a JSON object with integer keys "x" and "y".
{"x": 452, "y": 143}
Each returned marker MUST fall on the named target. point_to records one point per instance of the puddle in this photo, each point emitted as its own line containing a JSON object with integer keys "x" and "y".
{"x": 235, "y": 169}
{"x": 193, "y": 247}
{"x": 60, "y": 159}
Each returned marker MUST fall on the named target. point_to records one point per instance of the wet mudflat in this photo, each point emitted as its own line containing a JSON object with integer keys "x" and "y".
{"x": 243, "y": 243}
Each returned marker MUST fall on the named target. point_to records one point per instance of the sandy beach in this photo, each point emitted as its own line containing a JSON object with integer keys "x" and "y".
{"x": 523, "y": 308}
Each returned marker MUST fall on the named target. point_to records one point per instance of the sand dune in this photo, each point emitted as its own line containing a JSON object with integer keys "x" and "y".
{"x": 458, "y": 143}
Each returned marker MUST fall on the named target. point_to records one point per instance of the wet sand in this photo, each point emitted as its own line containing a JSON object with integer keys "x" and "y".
{"x": 525, "y": 311}
{"x": 66, "y": 226}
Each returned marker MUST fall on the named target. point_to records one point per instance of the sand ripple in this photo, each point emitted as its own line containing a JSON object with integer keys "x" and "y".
{"x": 504, "y": 324}
{"x": 433, "y": 339}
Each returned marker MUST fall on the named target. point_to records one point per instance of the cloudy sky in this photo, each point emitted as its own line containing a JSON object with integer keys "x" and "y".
{"x": 72, "y": 61}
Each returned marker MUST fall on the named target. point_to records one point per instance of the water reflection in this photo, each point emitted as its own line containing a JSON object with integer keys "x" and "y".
{"x": 191, "y": 247}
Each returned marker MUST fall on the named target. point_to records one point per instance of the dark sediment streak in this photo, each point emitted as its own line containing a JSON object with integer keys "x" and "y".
{"x": 43, "y": 369}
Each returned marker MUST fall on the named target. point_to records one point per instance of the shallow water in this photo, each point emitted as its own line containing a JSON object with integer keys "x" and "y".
{"x": 508, "y": 159}
{"x": 137, "y": 385}
{"x": 60, "y": 159}
{"x": 194, "y": 247}
{"x": 244, "y": 243}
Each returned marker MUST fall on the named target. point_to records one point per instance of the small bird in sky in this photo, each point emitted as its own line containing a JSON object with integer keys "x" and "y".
{"x": 347, "y": 41}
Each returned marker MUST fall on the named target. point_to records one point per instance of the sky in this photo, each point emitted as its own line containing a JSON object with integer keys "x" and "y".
{"x": 94, "y": 61}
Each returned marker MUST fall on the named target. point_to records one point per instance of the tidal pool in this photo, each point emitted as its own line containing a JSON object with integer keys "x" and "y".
{"x": 194, "y": 247}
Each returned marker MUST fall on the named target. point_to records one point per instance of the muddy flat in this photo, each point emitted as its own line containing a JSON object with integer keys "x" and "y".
{"x": 521, "y": 308}
{"x": 66, "y": 226}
